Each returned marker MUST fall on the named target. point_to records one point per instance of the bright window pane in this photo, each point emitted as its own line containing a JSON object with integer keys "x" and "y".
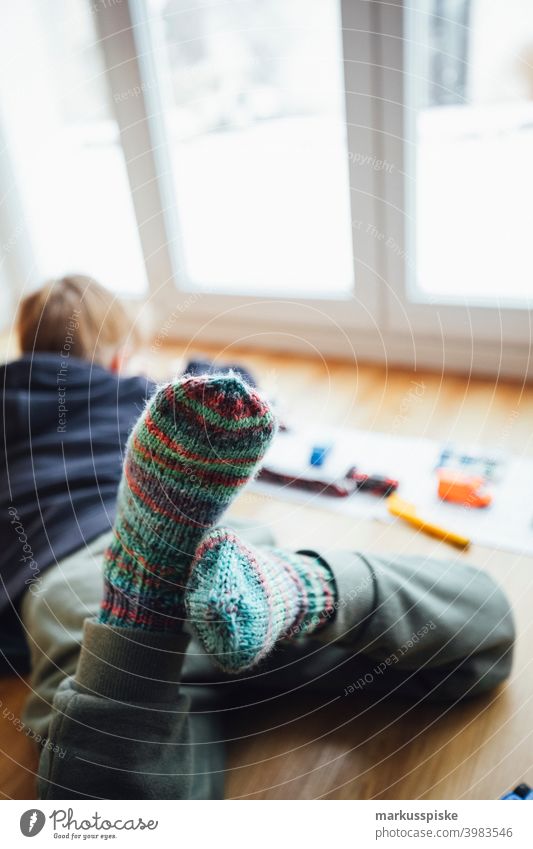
{"x": 470, "y": 100}
{"x": 66, "y": 165}
{"x": 254, "y": 108}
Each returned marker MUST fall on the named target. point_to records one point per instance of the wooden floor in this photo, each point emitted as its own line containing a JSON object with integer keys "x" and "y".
{"x": 359, "y": 750}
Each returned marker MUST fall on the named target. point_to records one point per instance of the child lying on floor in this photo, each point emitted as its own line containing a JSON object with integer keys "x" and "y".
{"x": 114, "y": 553}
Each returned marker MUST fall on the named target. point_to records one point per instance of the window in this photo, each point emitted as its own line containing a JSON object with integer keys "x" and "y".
{"x": 469, "y": 90}
{"x": 253, "y": 99}
{"x": 341, "y": 175}
{"x": 453, "y": 203}
{"x": 66, "y": 174}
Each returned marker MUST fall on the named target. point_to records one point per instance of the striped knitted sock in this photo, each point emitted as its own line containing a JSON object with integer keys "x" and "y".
{"x": 196, "y": 444}
{"x": 242, "y": 600}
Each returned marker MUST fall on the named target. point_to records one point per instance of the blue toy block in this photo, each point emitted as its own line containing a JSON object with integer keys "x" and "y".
{"x": 319, "y": 454}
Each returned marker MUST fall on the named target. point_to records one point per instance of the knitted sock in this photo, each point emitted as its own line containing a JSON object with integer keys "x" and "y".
{"x": 196, "y": 444}
{"x": 242, "y": 600}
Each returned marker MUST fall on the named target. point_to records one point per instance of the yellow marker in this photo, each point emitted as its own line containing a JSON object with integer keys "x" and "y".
{"x": 406, "y": 511}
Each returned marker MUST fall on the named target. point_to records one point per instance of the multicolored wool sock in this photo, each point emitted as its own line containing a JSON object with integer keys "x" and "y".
{"x": 241, "y": 601}
{"x": 196, "y": 444}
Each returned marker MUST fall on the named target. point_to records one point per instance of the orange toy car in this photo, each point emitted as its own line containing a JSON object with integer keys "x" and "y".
{"x": 463, "y": 489}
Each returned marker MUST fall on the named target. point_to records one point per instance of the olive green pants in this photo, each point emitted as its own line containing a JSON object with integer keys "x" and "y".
{"x": 131, "y": 714}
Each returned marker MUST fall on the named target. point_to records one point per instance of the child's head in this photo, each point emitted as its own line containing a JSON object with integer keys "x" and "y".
{"x": 78, "y": 312}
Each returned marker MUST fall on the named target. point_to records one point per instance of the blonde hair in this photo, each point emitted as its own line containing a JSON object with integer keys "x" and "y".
{"x": 77, "y": 314}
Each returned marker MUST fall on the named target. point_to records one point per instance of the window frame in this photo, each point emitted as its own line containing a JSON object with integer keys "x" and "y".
{"x": 379, "y": 320}
{"x": 124, "y": 34}
{"x": 472, "y": 320}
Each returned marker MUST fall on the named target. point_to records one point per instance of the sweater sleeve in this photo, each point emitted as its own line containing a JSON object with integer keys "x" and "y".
{"x": 120, "y": 727}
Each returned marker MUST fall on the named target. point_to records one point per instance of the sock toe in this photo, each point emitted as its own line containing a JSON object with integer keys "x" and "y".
{"x": 228, "y": 397}
{"x": 228, "y": 603}
{"x": 223, "y": 402}
{"x": 241, "y": 601}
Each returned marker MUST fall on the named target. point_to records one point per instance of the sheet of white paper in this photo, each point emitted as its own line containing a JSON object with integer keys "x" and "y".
{"x": 506, "y": 524}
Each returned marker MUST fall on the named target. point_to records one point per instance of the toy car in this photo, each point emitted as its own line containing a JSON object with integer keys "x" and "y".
{"x": 463, "y": 489}
{"x": 521, "y": 793}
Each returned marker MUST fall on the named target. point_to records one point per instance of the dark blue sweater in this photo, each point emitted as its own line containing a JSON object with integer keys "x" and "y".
{"x": 64, "y": 429}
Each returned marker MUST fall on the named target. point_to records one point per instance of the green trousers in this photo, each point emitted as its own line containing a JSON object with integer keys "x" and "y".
{"x": 129, "y": 714}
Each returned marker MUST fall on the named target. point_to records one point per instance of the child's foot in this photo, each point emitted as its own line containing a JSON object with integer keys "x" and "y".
{"x": 196, "y": 444}
{"x": 242, "y": 600}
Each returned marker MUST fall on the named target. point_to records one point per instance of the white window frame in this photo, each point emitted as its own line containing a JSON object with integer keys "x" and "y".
{"x": 128, "y": 57}
{"x": 379, "y": 321}
{"x": 496, "y": 338}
